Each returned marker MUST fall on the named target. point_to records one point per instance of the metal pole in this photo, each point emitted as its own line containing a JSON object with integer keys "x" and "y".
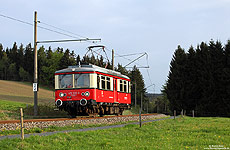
{"x": 140, "y": 112}
{"x": 141, "y": 101}
{"x": 135, "y": 94}
{"x": 148, "y": 106}
{"x": 35, "y": 65}
{"x": 113, "y": 59}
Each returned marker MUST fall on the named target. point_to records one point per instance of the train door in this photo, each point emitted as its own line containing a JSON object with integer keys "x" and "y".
{"x": 115, "y": 90}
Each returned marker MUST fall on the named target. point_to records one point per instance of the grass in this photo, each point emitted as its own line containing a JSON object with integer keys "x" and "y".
{"x": 186, "y": 133}
{"x": 22, "y": 92}
{"x": 49, "y": 129}
{"x": 15, "y": 95}
{"x": 10, "y": 110}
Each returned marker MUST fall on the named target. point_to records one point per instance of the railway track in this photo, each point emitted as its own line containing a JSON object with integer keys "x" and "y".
{"x": 67, "y": 119}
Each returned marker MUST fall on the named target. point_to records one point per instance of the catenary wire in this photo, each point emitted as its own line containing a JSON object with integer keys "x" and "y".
{"x": 51, "y": 30}
{"x": 21, "y": 21}
{"x": 122, "y": 56}
{"x": 63, "y": 30}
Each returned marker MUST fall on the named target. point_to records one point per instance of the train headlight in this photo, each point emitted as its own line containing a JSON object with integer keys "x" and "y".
{"x": 87, "y": 93}
{"x": 82, "y": 94}
{"x": 59, "y": 102}
{"x": 61, "y": 94}
{"x": 83, "y": 102}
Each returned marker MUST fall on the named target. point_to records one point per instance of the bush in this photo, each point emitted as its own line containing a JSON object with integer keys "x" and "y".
{"x": 44, "y": 111}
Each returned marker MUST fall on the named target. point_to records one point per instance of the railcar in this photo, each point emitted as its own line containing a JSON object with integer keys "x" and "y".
{"x": 91, "y": 90}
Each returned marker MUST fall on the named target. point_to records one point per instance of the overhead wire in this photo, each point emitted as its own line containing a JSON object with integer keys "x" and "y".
{"x": 151, "y": 83}
{"x": 31, "y": 24}
{"x": 61, "y": 33}
{"x": 130, "y": 54}
{"x": 16, "y": 19}
{"x": 63, "y": 30}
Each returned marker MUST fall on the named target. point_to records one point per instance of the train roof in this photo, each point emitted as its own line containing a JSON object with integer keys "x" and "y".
{"x": 91, "y": 68}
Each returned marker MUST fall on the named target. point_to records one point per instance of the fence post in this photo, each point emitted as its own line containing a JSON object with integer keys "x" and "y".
{"x": 140, "y": 112}
{"x": 182, "y": 113}
{"x": 174, "y": 114}
{"x": 193, "y": 113}
{"x": 22, "y": 126}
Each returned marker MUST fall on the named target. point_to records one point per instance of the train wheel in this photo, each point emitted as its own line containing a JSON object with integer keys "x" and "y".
{"x": 121, "y": 111}
{"x": 72, "y": 112}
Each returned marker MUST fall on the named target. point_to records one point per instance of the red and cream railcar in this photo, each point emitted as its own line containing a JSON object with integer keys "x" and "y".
{"x": 91, "y": 90}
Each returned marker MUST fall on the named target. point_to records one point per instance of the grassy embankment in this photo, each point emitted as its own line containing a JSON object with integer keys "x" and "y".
{"x": 16, "y": 95}
{"x": 23, "y": 92}
{"x": 182, "y": 133}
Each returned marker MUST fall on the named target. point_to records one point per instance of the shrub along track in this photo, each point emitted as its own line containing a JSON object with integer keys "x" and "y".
{"x": 89, "y": 129}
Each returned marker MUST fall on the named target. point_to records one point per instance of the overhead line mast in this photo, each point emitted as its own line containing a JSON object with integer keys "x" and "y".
{"x": 35, "y": 87}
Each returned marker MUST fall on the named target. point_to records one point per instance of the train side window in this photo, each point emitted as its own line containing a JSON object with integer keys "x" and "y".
{"x": 103, "y": 82}
{"x": 121, "y": 85}
{"x": 98, "y": 81}
{"x": 108, "y": 83}
{"x": 111, "y": 84}
{"x": 125, "y": 86}
{"x": 115, "y": 84}
{"x": 130, "y": 86}
{"x": 118, "y": 84}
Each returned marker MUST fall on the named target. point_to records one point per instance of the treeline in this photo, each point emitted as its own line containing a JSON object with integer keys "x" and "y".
{"x": 17, "y": 63}
{"x": 199, "y": 79}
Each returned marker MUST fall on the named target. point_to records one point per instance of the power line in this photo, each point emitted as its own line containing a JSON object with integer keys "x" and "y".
{"x": 135, "y": 59}
{"x": 51, "y": 30}
{"x": 147, "y": 60}
{"x": 16, "y": 19}
{"x": 130, "y": 54}
{"x": 63, "y": 30}
{"x": 125, "y": 57}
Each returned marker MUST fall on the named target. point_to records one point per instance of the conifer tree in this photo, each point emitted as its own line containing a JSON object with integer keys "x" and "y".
{"x": 176, "y": 84}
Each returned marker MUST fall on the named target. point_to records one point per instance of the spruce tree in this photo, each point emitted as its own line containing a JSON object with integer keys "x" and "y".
{"x": 176, "y": 80}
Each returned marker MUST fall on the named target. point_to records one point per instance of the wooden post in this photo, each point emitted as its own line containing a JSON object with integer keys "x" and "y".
{"x": 174, "y": 114}
{"x": 140, "y": 117}
{"x": 193, "y": 113}
{"x": 182, "y": 113}
{"x": 35, "y": 65}
{"x": 22, "y": 126}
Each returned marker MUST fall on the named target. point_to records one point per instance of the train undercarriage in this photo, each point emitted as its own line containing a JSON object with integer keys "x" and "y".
{"x": 92, "y": 108}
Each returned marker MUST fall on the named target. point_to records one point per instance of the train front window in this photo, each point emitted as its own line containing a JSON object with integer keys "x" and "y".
{"x": 81, "y": 81}
{"x": 65, "y": 81}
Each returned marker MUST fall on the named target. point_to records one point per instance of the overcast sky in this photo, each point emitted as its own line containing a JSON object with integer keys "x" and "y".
{"x": 127, "y": 26}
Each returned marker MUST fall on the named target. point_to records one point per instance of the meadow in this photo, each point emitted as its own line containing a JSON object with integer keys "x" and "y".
{"x": 23, "y": 92}
{"x": 15, "y": 95}
{"x": 182, "y": 133}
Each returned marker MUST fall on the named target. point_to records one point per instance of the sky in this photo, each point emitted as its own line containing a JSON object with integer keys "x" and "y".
{"x": 156, "y": 27}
